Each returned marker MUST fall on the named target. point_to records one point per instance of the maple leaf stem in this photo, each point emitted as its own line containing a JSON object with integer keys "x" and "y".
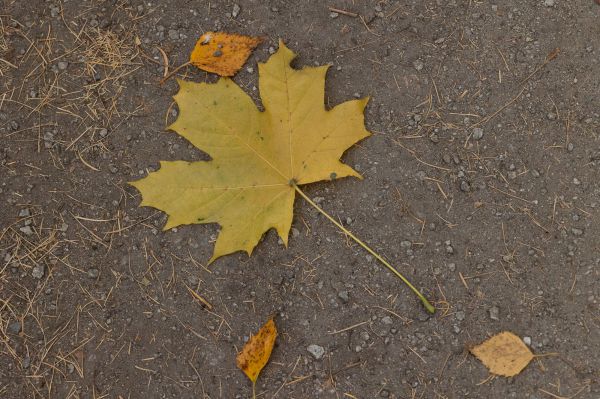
{"x": 424, "y": 300}
{"x": 253, "y": 389}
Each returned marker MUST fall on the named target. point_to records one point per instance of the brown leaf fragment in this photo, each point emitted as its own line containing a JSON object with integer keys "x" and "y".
{"x": 223, "y": 53}
{"x": 255, "y": 354}
{"x": 504, "y": 354}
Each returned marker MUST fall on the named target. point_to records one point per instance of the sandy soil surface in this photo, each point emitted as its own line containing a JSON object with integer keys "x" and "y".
{"x": 482, "y": 185}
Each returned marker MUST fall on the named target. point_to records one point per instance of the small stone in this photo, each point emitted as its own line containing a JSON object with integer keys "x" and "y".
{"x": 418, "y": 64}
{"x": 527, "y": 341}
{"x": 103, "y": 132}
{"x": 173, "y": 34}
{"x": 387, "y": 320}
{"x": 477, "y": 133}
{"x": 551, "y": 116}
{"x": 333, "y": 15}
{"x": 460, "y": 315}
{"x": 344, "y": 296}
{"x": 465, "y": 186}
{"x": 70, "y": 368}
{"x": 92, "y": 273}
{"x": 48, "y": 139}
{"x": 38, "y": 271}
{"x": 384, "y": 393}
{"x": 549, "y": 3}
{"x": 236, "y": 11}
{"x": 26, "y": 230}
{"x": 316, "y": 351}
{"x": 577, "y": 232}
{"x": 405, "y": 244}
{"x": 62, "y": 65}
{"x": 449, "y": 249}
{"x": 217, "y": 53}
{"x": 494, "y": 313}
{"x": 452, "y": 266}
{"x": 295, "y": 232}
{"x": 24, "y": 213}
{"x": 14, "y": 327}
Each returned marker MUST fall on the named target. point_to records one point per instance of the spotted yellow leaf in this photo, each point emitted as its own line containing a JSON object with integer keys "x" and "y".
{"x": 223, "y": 53}
{"x": 257, "y": 351}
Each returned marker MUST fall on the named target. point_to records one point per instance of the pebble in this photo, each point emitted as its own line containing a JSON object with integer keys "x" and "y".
{"x": 527, "y": 341}
{"x": 387, "y": 320}
{"x": 577, "y": 232}
{"x": 418, "y": 64}
{"x": 24, "y": 213}
{"x": 236, "y": 11}
{"x": 405, "y": 244}
{"x": 344, "y": 296}
{"x": 62, "y": 65}
{"x": 460, "y": 315}
{"x": 316, "y": 351}
{"x": 549, "y": 3}
{"x": 333, "y": 15}
{"x": 452, "y": 266}
{"x": 38, "y": 271}
{"x": 551, "y": 115}
{"x": 14, "y": 327}
{"x": 494, "y": 313}
{"x": 48, "y": 140}
{"x": 173, "y": 34}
{"x": 26, "y": 230}
{"x": 92, "y": 273}
{"x": 477, "y": 133}
{"x": 465, "y": 186}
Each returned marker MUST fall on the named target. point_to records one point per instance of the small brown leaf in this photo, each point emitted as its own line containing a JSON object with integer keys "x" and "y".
{"x": 504, "y": 354}
{"x": 223, "y": 53}
{"x": 257, "y": 351}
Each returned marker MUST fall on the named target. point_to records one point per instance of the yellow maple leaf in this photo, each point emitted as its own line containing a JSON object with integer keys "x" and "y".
{"x": 257, "y": 157}
{"x": 503, "y": 354}
{"x": 257, "y": 351}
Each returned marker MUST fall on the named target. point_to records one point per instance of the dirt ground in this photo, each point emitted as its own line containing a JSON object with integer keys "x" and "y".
{"x": 482, "y": 185}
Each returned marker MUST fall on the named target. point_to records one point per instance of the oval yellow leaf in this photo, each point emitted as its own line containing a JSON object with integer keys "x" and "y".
{"x": 257, "y": 351}
{"x": 223, "y": 53}
{"x": 504, "y": 354}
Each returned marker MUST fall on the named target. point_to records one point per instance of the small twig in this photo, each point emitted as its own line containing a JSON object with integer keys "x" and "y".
{"x": 343, "y": 12}
{"x": 163, "y": 80}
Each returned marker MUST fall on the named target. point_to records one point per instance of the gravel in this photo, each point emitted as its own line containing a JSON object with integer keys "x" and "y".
{"x": 316, "y": 351}
{"x": 344, "y": 296}
{"x": 494, "y": 313}
{"x": 477, "y": 133}
{"x": 26, "y": 230}
{"x": 236, "y": 11}
{"x": 14, "y": 327}
{"x": 38, "y": 271}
